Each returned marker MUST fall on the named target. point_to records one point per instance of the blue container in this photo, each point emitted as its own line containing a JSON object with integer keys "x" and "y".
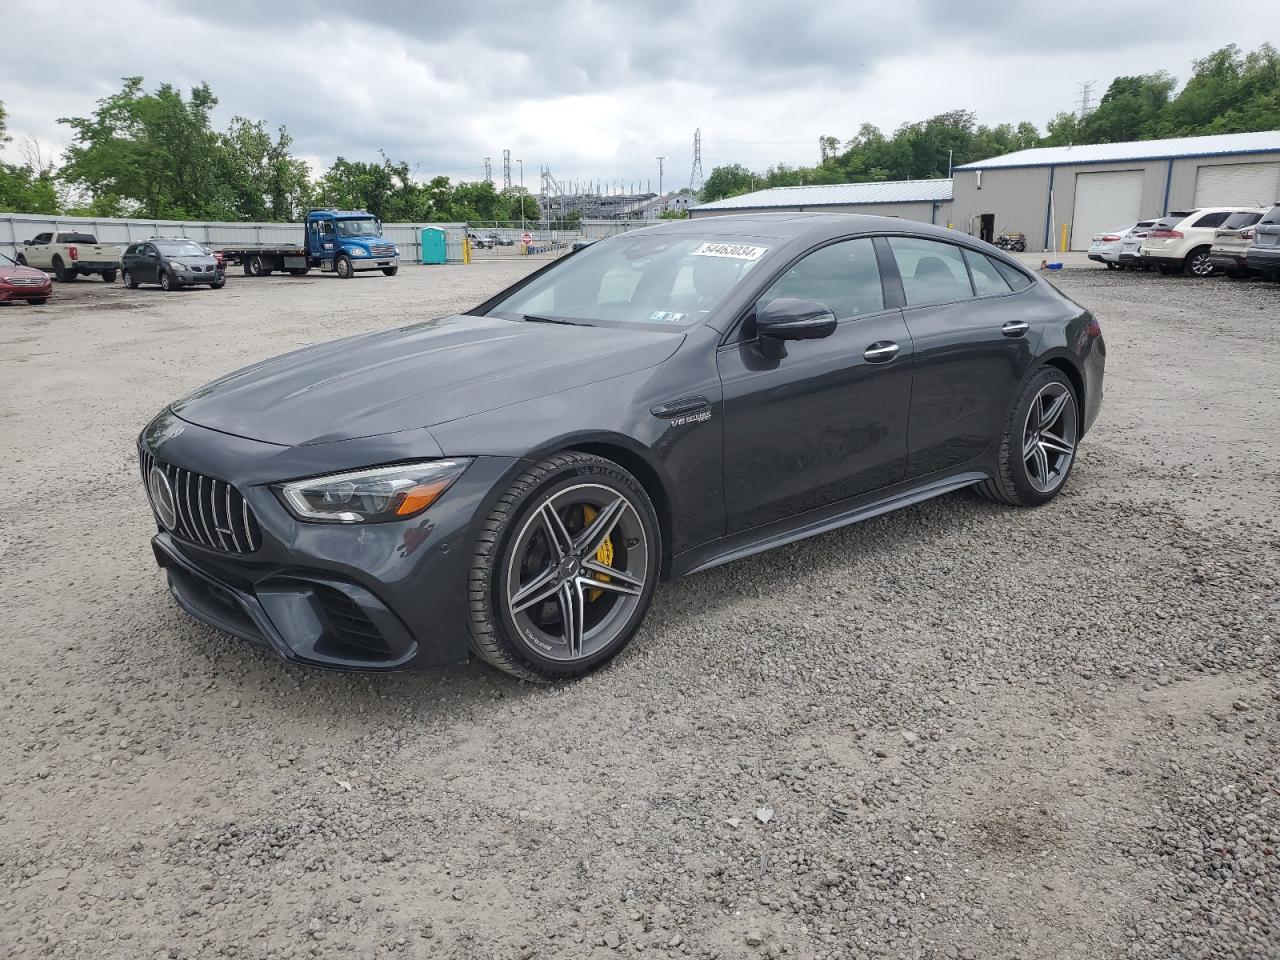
{"x": 433, "y": 245}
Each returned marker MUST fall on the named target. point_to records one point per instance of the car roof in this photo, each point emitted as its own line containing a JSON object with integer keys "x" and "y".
{"x": 787, "y": 226}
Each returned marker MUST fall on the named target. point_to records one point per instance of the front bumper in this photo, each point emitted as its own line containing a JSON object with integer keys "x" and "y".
{"x": 372, "y": 597}
{"x": 24, "y": 292}
{"x": 374, "y": 263}
{"x": 190, "y": 278}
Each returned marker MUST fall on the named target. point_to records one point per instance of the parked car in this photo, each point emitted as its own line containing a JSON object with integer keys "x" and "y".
{"x": 19, "y": 282}
{"x": 1129, "y": 257}
{"x": 1107, "y": 247}
{"x": 70, "y": 254}
{"x": 1231, "y": 242}
{"x": 581, "y": 243}
{"x": 171, "y": 262}
{"x": 1264, "y": 255}
{"x": 478, "y": 241}
{"x": 502, "y": 241}
{"x": 1175, "y": 245}
{"x": 513, "y": 483}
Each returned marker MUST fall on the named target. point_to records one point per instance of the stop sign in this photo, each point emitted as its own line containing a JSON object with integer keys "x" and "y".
{"x": 527, "y": 239}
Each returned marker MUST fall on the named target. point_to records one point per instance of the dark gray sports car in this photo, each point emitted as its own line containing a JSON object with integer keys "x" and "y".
{"x": 512, "y": 483}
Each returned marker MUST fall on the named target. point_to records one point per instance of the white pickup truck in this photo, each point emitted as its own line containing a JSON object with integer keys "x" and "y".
{"x": 69, "y": 254}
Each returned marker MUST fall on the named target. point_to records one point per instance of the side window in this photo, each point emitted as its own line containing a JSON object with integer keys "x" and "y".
{"x": 932, "y": 272}
{"x": 844, "y": 276}
{"x": 1212, "y": 220}
{"x": 42, "y": 238}
{"x": 1012, "y": 275}
{"x": 987, "y": 281}
{"x": 326, "y": 228}
{"x": 1272, "y": 215}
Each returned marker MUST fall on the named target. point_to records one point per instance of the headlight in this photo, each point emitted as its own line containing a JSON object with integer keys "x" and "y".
{"x": 371, "y": 496}
{"x": 358, "y": 252}
{"x": 177, "y": 265}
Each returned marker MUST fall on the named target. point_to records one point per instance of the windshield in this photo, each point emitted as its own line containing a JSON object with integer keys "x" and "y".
{"x": 364, "y": 227}
{"x": 180, "y": 248}
{"x": 637, "y": 279}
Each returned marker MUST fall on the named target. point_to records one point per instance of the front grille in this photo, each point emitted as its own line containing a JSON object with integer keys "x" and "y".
{"x": 207, "y": 511}
{"x": 349, "y": 623}
{"x": 383, "y": 250}
{"x": 27, "y": 281}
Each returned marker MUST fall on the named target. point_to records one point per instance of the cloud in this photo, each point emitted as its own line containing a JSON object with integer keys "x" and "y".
{"x": 597, "y": 90}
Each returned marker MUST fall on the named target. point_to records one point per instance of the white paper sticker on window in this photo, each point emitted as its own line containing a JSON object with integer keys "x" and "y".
{"x": 734, "y": 251}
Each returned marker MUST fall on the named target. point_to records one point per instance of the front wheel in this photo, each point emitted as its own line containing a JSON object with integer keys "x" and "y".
{"x": 1038, "y": 447}
{"x": 390, "y": 271}
{"x": 129, "y": 282}
{"x": 166, "y": 281}
{"x": 20, "y": 260}
{"x": 37, "y": 301}
{"x": 217, "y": 284}
{"x": 564, "y": 568}
{"x": 342, "y": 267}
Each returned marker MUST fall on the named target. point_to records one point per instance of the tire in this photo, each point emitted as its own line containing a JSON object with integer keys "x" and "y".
{"x": 61, "y": 273}
{"x": 1197, "y": 263}
{"x": 342, "y": 267}
{"x": 127, "y": 276}
{"x": 20, "y": 260}
{"x": 253, "y": 266}
{"x": 217, "y": 284}
{"x": 166, "y": 281}
{"x": 299, "y": 271}
{"x": 108, "y": 276}
{"x": 1110, "y": 265}
{"x": 390, "y": 271}
{"x": 1016, "y": 483}
{"x": 532, "y": 642}
{"x": 38, "y": 301}
{"x": 1166, "y": 269}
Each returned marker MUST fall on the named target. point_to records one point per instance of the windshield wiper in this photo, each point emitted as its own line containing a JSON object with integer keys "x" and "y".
{"x": 530, "y": 318}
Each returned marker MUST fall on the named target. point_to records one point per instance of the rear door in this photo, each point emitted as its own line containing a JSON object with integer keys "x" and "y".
{"x": 974, "y": 336}
{"x": 828, "y": 421}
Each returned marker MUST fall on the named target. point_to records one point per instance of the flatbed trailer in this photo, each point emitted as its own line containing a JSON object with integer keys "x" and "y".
{"x": 344, "y": 242}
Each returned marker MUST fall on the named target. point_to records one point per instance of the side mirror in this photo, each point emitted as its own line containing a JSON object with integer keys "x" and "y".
{"x": 27, "y": 243}
{"x": 790, "y": 319}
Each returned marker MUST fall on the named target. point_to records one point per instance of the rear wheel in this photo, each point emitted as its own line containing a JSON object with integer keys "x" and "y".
{"x": 1197, "y": 263}
{"x": 1167, "y": 270}
{"x": 108, "y": 276}
{"x": 299, "y": 271}
{"x": 1038, "y": 448}
{"x": 37, "y": 301}
{"x": 253, "y": 266}
{"x": 1110, "y": 265}
{"x": 564, "y": 568}
{"x": 60, "y": 271}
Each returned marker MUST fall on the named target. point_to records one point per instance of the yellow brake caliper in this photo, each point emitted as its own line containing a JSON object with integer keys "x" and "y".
{"x": 604, "y": 555}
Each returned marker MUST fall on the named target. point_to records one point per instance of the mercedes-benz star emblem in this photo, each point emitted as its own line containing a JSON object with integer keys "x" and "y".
{"x": 162, "y": 498}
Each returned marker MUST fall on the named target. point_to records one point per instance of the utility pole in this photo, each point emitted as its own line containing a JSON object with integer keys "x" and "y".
{"x": 695, "y": 175}
{"x": 521, "y": 162}
{"x": 506, "y": 169}
{"x": 1086, "y": 91}
{"x": 660, "y": 162}
{"x": 488, "y": 170}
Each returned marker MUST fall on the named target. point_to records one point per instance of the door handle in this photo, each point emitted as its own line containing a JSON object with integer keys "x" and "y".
{"x": 1015, "y": 328}
{"x": 881, "y": 352}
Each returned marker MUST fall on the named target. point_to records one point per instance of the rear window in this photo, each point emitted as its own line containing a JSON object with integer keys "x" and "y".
{"x": 1272, "y": 215}
{"x": 77, "y": 238}
{"x": 1238, "y": 220}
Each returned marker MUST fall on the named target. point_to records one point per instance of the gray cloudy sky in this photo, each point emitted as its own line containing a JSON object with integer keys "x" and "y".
{"x": 598, "y": 89}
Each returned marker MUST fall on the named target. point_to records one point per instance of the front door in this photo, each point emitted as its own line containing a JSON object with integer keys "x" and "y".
{"x": 974, "y": 341}
{"x": 829, "y": 420}
{"x": 36, "y": 253}
{"x": 320, "y": 240}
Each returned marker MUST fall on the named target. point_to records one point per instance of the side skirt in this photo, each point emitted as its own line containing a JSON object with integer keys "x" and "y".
{"x": 791, "y": 529}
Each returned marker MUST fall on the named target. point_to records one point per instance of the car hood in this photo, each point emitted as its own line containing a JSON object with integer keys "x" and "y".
{"x": 416, "y": 376}
{"x": 8, "y": 270}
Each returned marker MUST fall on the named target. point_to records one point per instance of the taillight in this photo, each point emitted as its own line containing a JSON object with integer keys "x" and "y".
{"x": 1165, "y": 235}
{"x": 1248, "y": 234}
{"x": 73, "y": 253}
{"x": 1094, "y": 329}
{"x": 1110, "y": 238}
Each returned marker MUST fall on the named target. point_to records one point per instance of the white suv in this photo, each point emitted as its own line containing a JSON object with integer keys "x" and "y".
{"x": 1184, "y": 243}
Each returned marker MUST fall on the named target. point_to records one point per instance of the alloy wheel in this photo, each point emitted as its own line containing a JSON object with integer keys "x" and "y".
{"x": 576, "y": 572}
{"x": 1049, "y": 437}
{"x": 1200, "y": 265}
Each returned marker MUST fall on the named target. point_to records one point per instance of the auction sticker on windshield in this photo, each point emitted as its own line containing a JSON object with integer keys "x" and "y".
{"x": 735, "y": 251}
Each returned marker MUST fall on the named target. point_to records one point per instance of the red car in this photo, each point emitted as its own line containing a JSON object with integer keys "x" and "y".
{"x": 18, "y": 282}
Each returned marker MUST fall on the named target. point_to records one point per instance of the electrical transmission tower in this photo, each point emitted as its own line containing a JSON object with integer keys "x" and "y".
{"x": 1086, "y": 91}
{"x": 488, "y": 170}
{"x": 695, "y": 174}
{"x": 661, "y": 161}
{"x": 506, "y": 169}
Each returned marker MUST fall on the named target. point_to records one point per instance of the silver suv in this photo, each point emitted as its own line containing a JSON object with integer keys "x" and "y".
{"x": 1264, "y": 255}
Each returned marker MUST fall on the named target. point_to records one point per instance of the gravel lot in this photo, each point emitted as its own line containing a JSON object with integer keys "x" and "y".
{"x": 956, "y": 731}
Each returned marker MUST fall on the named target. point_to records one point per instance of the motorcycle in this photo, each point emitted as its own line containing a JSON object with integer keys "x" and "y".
{"x": 1016, "y": 242}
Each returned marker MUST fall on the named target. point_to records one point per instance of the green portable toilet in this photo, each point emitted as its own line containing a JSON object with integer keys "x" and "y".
{"x": 433, "y": 250}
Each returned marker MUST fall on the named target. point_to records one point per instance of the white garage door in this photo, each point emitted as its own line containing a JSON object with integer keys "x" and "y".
{"x": 1246, "y": 184}
{"x": 1104, "y": 201}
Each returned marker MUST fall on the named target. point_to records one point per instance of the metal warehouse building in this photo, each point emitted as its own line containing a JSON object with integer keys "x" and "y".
{"x": 927, "y": 200}
{"x": 1095, "y": 188}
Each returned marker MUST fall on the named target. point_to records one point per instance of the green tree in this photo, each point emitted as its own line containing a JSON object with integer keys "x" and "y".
{"x": 24, "y": 187}
{"x": 149, "y": 153}
{"x": 260, "y": 179}
{"x": 728, "y": 181}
